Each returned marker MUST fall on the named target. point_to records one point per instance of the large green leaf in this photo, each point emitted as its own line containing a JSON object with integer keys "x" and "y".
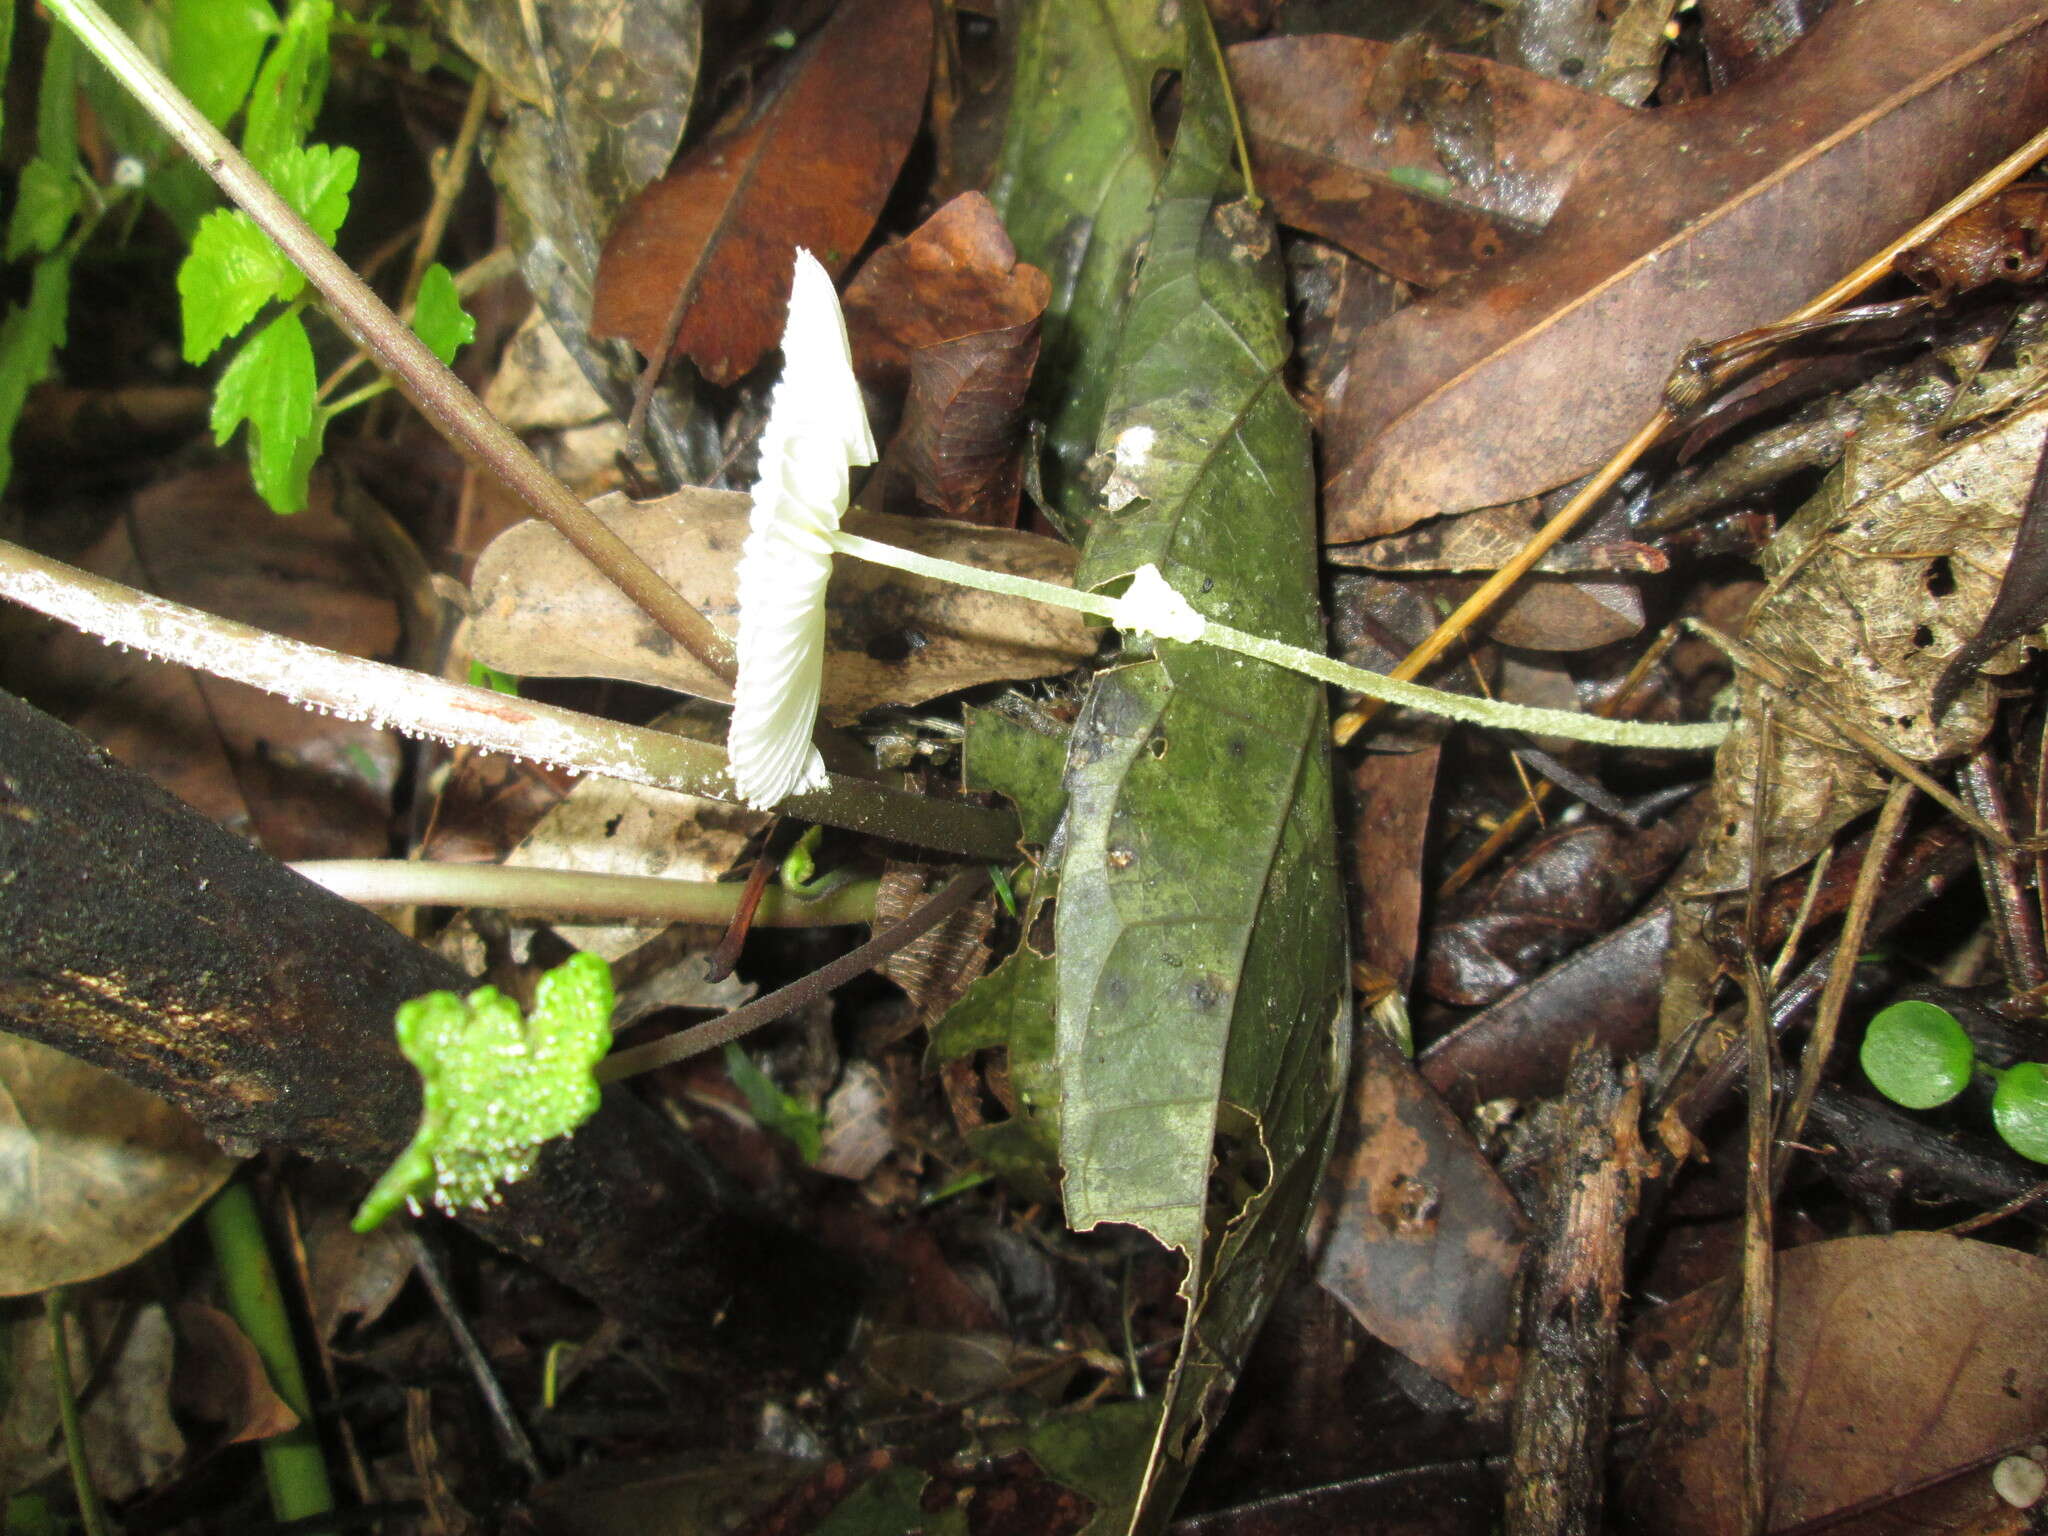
{"x": 1203, "y": 998}
{"x": 1203, "y": 994}
{"x": 1079, "y": 165}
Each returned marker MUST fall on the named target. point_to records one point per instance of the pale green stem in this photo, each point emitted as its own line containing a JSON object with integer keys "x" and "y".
{"x": 1453, "y": 706}
{"x": 579, "y": 893}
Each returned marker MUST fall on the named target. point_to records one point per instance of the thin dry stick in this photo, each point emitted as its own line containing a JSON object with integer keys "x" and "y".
{"x": 954, "y": 895}
{"x": 1820, "y": 1041}
{"x": 445, "y": 400}
{"x": 1878, "y": 266}
{"x": 1759, "y": 1274}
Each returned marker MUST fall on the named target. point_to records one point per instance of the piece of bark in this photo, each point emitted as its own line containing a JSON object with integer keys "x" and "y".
{"x": 136, "y": 934}
{"x": 1590, "y": 1163}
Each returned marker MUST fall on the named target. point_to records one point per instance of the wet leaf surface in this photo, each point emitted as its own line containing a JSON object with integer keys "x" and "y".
{"x": 1680, "y": 225}
{"x": 810, "y": 168}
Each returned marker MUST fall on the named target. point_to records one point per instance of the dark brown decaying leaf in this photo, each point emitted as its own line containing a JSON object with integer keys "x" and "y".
{"x": 1391, "y": 794}
{"x": 955, "y": 275}
{"x": 1563, "y": 890}
{"x": 1702, "y": 220}
{"x": 1390, "y": 185}
{"x": 1486, "y": 539}
{"x": 811, "y": 167}
{"x": 952, "y": 314}
{"x": 1897, "y": 1361}
{"x": 1421, "y": 1240}
{"x": 221, "y": 1378}
{"x": 936, "y": 967}
{"x": 891, "y": 638}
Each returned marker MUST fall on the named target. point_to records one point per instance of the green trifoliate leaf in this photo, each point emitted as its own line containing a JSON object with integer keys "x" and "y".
{"x": 438, "y": 318}
{"x": 290, "y": 86}
{"x": 494, "y": 1085}
{"x": 232, "y": 271}
{"x": 1916, "y": 1054}
{"x": 45, "y": 198}
{"x": 316, "y": 180}
{"x": 270, "y": 385}
{"x": 215, "y": 45}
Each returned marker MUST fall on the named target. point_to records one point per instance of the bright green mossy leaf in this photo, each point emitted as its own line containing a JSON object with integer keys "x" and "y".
{"x": 215, "y": 45}
{"x": 1916, "y": 1054}
{"x": 438, "y": 318}
{"x": 290, "y": 86}
{"x": 231, "y": 272}
{"x": 494, "y": 1086}
{"x": 1079, "y": 165}
{"x": 2019, "y": 1108}
{"x": 270, "y": 384}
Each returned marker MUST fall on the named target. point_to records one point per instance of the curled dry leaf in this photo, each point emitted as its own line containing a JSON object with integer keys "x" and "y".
{"x": 1384, "y": 182}
{"x": 1897, "y": 1362}
{"x": 1701, "y": 220}
{"x": 936, "y": 967}
{"x": 811, "y": 167}
{"x": 952, "y": 314}
{"x": 892, "y": 638}
{"x": 96, "y": 1172}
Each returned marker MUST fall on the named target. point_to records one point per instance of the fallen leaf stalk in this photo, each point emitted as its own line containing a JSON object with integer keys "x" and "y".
{"x": 393, "y": 698}
{"x": 579, "y": 893}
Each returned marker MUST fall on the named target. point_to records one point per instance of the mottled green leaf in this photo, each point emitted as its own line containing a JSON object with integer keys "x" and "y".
{"x": 290, "y": 86}
{"x": 215, "y": 45}
{"x": 1203, "y": 996}
{"x": 1079, "y": 165}
{"x": 29, "y": 339}
{"x": 438, "y": 317}
{"x": 230, "y": 273}
{"x": 1015, "y": 760}
{"x": 270, "y": 385}
{"x": 1012, "y": 1008}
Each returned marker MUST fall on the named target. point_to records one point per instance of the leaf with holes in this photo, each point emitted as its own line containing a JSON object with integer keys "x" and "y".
{"x": 1203, "y": 992}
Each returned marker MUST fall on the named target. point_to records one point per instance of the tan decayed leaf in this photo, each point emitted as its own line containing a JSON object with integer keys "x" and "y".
{"x": 892, "y": 638}
{"x": 121, "y": 1359}
{"x": 94, "y": 1172}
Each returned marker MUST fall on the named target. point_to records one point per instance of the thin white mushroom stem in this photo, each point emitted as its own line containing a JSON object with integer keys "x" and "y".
{"x": 1143, "y": 609}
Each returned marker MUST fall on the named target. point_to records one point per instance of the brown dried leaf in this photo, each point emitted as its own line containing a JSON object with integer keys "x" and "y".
{"x": 1423, "y": 1241}
{"x": 956, "y": 274}
{"x": 305, "y": 786}
{"x": 810, "y": 168}
{"x": 96, "y": 1172}
{"x": 963, "y": 438}
{"x": 891, "y": 638}
{"x": 1486, "y": 539}
{"x": 1389, "y": 180}
{"x": 1876, "y": 582}
{"x": 1896, "y": 1361}
{"x": 938, "y": 966}
{"x": 222, "y": 1379}
{"x": 1701, "y": 220}
{"x": 121, "y": 1359}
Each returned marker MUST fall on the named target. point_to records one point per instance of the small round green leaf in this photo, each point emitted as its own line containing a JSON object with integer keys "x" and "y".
{"x": 1917, "y": 1055}
{"x": 2019, "y": 1108}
